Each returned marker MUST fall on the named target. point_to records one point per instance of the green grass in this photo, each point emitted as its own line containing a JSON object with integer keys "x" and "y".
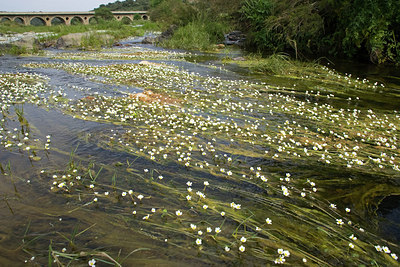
{"x": 197, "y": 35}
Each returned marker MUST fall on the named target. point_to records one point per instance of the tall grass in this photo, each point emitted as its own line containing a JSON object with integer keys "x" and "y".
{"x": 197, "y": 35}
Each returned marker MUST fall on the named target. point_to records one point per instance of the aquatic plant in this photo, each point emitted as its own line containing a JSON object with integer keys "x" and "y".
{"x": 229, "y": 169}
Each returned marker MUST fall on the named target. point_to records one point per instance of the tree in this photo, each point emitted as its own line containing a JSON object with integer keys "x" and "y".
{"x": 103, "y": 13}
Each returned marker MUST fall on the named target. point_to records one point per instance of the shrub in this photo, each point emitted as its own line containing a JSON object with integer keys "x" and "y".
{"x": 172, "y": 12}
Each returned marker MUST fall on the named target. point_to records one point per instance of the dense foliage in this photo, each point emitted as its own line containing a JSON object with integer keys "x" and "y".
{"x": 103, "y": 13}
{"x": 367, "y": 30}
{"x": 344, "y": 28}
{"x": 128, "y": 5}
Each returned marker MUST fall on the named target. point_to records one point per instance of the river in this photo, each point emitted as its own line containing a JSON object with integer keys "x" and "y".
{"x": 211, "y": 164}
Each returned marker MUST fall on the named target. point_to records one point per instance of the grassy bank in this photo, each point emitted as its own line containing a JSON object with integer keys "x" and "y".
{"x": 117, "y": 29}
{"x": 197, "y": 35}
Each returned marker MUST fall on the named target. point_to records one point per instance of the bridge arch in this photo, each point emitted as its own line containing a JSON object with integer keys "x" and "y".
{"x": 145, "y": 17}
{"x": 5, "y": 19}
{"x": 126, "y": 20}
{"x": 77, "y": 20}
{"x": 37, "y": 21}
{"x": 57, "y": 21}
{"x": 19, "y": 20}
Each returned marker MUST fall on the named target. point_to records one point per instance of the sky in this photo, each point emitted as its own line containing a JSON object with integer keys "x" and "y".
{"x": 51, "y": 5}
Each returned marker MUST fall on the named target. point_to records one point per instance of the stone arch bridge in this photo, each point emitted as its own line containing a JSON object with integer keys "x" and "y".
{"x": 48, "y": 18}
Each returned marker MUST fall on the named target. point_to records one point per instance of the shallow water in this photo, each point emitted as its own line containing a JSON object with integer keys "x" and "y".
{"x": 49, "y": 215}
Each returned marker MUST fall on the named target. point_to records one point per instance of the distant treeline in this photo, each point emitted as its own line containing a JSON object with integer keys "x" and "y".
{"x": 128, "y": 5}
{"x": 362, "y": 29}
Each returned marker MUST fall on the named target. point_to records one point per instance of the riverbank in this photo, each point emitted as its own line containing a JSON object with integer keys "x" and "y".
{"x": 19, "y": 39}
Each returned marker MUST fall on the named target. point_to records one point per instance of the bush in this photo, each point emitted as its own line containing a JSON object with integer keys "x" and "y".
{"x": 197, "y": 35}
{"x": 172, "y": 12}
{"x": 359, "y": 28}
{"x": 283, "y": 25}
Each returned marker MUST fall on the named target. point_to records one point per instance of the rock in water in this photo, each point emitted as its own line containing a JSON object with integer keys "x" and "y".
{"x": 28, "y": 42}
{"x": 76, "y": 39}
{"x": 235, "y": 38}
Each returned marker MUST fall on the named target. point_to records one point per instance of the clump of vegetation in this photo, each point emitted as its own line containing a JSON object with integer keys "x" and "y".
{"x": 12, "y": 50}
{"x": 353, "y": 29}
{"x": 196, "y": 35}
{"x": 201, "y": 24}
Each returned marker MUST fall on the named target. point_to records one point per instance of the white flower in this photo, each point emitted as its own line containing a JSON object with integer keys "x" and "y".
{"x": 339, "y": 222}
{"x": 140, "y": 197}
{"x": 91, "y": 186}
{"x": 92, "y": 262}
{"x": 209, "y": 229}
{"x": 227, "y": 248}
{"x": 217, "y": 230}
{"x": 178, "y": 213}
{"x": 378, "y": 248}
{"x": 130, "y": 192}
{"x": 386, "y": 250}
{"x": 394, "y": 256}
{"x": 189, "y": 183}
{"x": 242, "y": 248}
{"x": 243, "y": 239}
{"x": 198, "y": 241}
{"x": 351, "y": 245}
{"x": 188, "y": 197}
{"x": 205, "y": 207}
{"x": 193, "y": 226}
{"x": 268, "y": 221}
{"x": 123, "y": 194}
{"x": 286, "y": 253}
{"x": 200, "y": 232}
{"x": 222, "y": 213}
{"x": 206, "y": 183}
{"x": 347, "y": 210}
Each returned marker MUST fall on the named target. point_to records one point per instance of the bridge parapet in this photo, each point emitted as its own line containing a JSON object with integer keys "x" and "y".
{"x": 48, "y": 17}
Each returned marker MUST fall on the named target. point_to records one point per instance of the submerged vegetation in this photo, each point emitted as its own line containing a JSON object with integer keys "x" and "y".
{"x": 216, "y": 170}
